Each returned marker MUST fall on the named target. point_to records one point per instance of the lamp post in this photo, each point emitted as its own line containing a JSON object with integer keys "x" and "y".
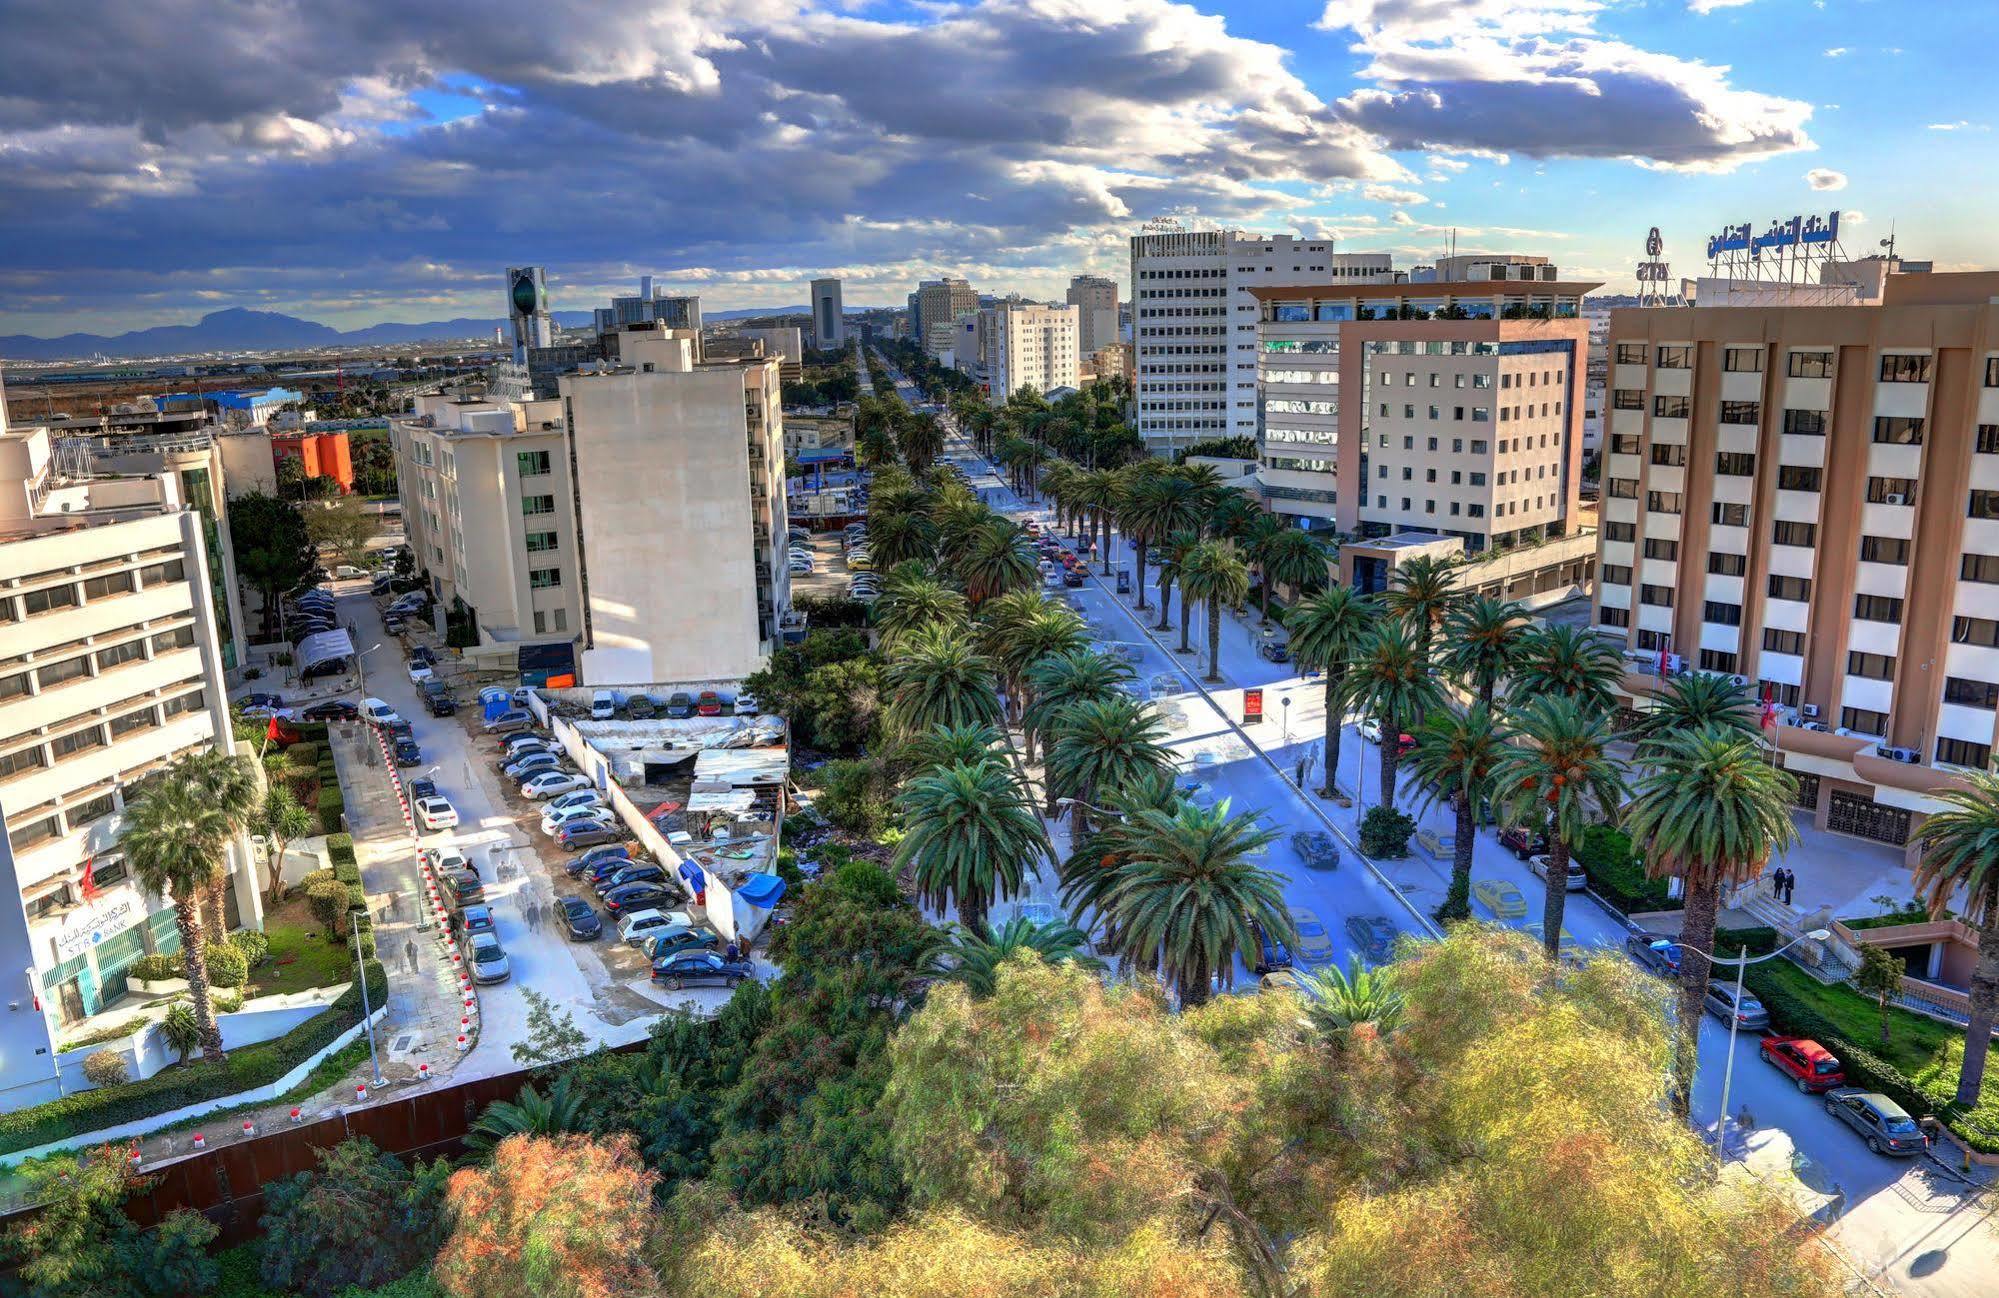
{"x": 1741, "y": 962}
{"x": 367, "y": 1012}
{"x": 1286, "y": 702}
{"x": 361, "y": 666}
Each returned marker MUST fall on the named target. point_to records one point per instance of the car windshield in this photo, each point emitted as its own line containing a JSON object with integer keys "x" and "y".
{"x": 487, "y": 954}
{"x": 1898, "y": 1124}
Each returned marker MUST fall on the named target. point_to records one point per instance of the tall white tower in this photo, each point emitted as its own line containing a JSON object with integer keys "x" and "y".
{"x": 527, "y": 310}
{"x": 829, "y": 321}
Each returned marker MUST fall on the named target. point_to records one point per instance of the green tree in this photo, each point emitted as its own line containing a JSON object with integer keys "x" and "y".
{"x": 80, "y": 1244}
{"x": 911, "y": 600}
{"x": 1327, "y": 631}
{"x": 1056, "y": 681}
{"x": 1960, "y": 866}
{"x": 841, "y": 704}
{"x": 938, "y": 679}
{"x": 1421, "y": 592}
{"x": 949, "y": 746}
{"x": 550, "y": 1037}
{"x": 901, "y": 537}
{"x": 1153, "y": 508}
{"x": 1021, "y": 628}
{"x": 1295, "y": 559}
{"x": 1338, "y": 1001}
{"x": 1694, "y": 701}
{"x": 971, "y": 836}
{"x": 362, "y": 1219}
{"x": 1453, "y": 762}
{"x": 282, "y": 821}
{"x": 341, "y": 525}
{"x": 174, "y": 839}
{"x": 1097, "y": 492}
{"x": 1482, "y": 638}
{"x": 1573, "y": 662}
{"x": 921, "y": 439}
{"x": 1709, "y": 811}
{"x": 530, "y": 1113}
{"x": 974, "y": 959}
{"x": 1214, "y": 573}
{"x": 273, "y": 550}
{"x": 1558, "y": 774}
{"x": 1879, "y": 976}
{"x": 1100, "y": 745}
{"x": 227, "y": 782}
{"x": 1389, "y": 680}
{"x": 996, "y": 559}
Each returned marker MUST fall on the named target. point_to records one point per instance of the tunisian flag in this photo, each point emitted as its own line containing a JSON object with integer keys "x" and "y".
{"x": 89, "y": 885}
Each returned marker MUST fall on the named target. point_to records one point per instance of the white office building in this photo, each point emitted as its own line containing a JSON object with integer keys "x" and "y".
{"x": 1029, "y": 345}
{"x": 829, "y": 321}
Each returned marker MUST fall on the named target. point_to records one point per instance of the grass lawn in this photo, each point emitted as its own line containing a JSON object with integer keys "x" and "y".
{"x": 301, "y": 957}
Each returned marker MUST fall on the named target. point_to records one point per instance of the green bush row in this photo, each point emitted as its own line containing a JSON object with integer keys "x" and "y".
{"x": 332, "y": 806}
{"x": 1616, "y": 875}
{"x": 244, "y": 1069}
{"x": 347, "y": 872}
{"x": 340, "y": 850}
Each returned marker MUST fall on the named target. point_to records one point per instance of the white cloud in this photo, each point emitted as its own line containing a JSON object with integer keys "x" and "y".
{"x": 1838, "y": 52}
{"x": 1825, "y": 178}
{"x": 1709, "y": 6}
{"x": 1958, "y": 125}
{"x": 1389, "y": 194}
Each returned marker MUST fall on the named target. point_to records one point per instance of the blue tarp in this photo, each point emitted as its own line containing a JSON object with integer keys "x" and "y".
{"x": 695, "y": 879}
{"x": 760, "y": 890}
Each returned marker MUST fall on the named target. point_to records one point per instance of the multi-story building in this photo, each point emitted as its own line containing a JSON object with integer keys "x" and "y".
{"x": 940, "y": 301}
{"x": 786, "y": 343}
{"x": 829, "y": 320}
{"x": 1444, "y": 407}
{"x": 1095, "y": 300}
{"x": 1194, "y": 323}
{"x": 527, "y": 310}
{"x": 110, "y": 666}
{"x": 679, "y": 500}
{"x": 1807, "y": 497}
{"x": 1029, "y": 346}
{"x": 489, "y": 511}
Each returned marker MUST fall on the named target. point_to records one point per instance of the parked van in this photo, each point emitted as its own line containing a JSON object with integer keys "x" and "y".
{"x": 603, "y": 706}
{"x": 348, "y": 571}
{"x": 377, "y": 713}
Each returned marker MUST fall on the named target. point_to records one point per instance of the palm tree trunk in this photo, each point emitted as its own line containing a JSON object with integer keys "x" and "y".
{"x": 1333, "y": 727}
{"x": 1983, "y": 993}
{"x": 972, "y": 913}
{"x": 218, "y": 908}
{"x": 1264, "y": 579}
{"x": 1194, "y": 990}
{"x": 1186, "y": 615}
{"x": 1555, "y": 899}
{"x": 1487, "y": 688}
{"x": 1457, "y": 902}
{"x": 1104, "y": 528}
{"x": 1138, "y": 546}
{"x": 1214, "y": 642}
{"x": 1165, "y": 597}
{"x": 1391, "y": 757}
{"x": 194, "y": 963}
{"x": 1703, "y": 902}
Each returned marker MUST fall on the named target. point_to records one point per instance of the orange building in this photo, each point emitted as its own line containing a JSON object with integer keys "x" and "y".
{"x": 319, "y": 455}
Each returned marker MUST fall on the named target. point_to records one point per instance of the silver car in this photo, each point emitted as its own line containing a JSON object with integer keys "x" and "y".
{"x": 489, "y": 959}
{"x": 1748, "y": 1013}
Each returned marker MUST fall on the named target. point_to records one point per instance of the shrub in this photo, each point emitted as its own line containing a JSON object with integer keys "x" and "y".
{"x": 1384, "y": 832}
{"x": 854, "y": 795}
{"x": 155, "y": 968}
{"x": 327, "y": 901}
{"x": 303, "y": 754}
{"x": 1616, "y": 875}
{"x": 362, "y": 1218}
{"x": 332, "y": 806}
{"x": 105, "y": 1067}
{"x": 227, "y": 966}
{"x": 305, "y": 884}
{"x": 254, "y": 946}
{"x": 340, "y": 849}
{"x": 181, "y": 1030}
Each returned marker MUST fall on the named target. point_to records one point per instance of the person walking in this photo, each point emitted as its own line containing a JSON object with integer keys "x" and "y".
{"x": 409, "y": 953}
{"x": 1790, "y": 882}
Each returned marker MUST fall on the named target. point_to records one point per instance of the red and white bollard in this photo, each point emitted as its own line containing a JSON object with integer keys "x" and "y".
{"x": 462, "y": 1044}
{"x": 249, "y": 1129}
{"x": 200, "y": 1141}
{"x": 298, "y": 1115}
{"x": 360, "y": 1093}
{"x": 135, "y": 1153}
{"x": 423, "y": 1072}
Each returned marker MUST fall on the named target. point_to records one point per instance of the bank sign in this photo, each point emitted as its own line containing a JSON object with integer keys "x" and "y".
{"x": 1787, "y": 232}
{"x": 84, "y": 931}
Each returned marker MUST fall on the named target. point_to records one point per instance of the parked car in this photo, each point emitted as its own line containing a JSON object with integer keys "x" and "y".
{"x": 1271, "y": 952}
{"x": 1373, "y": 936}
{"x": 1501, "y": 898}
{"x": 579, "y": 797}
{"x": 377, "y": 713}
{"x": 474, "y": 919}
{"x": 588, "y": 834}
{"x": 1316, "y": 848}
{"x": 462, "y": 888}
{"x": 1886, "y": 1125}
{"x": 509, "y": 721}
{"x": 437, "y": 698}
{"x": 1314, "y": 946}
{"x": 435, "y": 813}
{"x": 419, "y": 672}
{"x": 597, "y": 856}
{"x": 1072, "y": 578}
{"x": 746, "y": 704}
{"x": 407, "y": 753}
{"x": 603, "y": 705}
{"x": 550, "y": 783}
{"x": 708, "y": 704}
{"x": 675, "y": 938}
{"x": 532, "y": 764}
{"x": 638, "y": 896}
{"x": 680, "y": 706}
{"x": 1577, "y": 879}
{"x": 444, "y": 860}
{"x": 580, "y": 919}
{"x": 1275, "y": 649}
{"x": 1807, "y": 1063}
{"x": 331, "y": 710}
{"x": 555, "y": 822}
{"x": 1524, "y": 843}
{"x": 698, "y": 968}
{"x": 1748, "y": 1012}
{"x": 258, "y": 699}
{"x": 636, "y": 872}
{"x": 421, "y": 786}
{"x": 640, "y": 923}
{"x": 522, "y": 740}
{"x": 489, "y": 959}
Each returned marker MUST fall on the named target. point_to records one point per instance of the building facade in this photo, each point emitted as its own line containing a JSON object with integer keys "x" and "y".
{"x": 1095, "y": 300}
{"x": 1029, "y": 346}
{"x": 1194, "y": 324}
{"x": 110, "y": 667}
{"x": 940, "y": 301}
{"x": 1807, "y": 497}
{"x": 829, "y": 320}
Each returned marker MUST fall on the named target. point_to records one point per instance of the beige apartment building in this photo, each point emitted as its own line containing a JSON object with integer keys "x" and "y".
{"x": 679, "y": 501}
{"x": 1446, "y": 407}
{"x": 490, "y": 512}
{"x": 110, "y": 666}
{"x": 1095, "y": 300}
{"x": 1029, "y": 346}
{"x": 1807, "y": 497}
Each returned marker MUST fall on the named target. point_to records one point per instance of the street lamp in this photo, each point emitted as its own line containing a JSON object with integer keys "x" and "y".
{"x": 1741, "y": 962}
{"x": 1287, "y": 719}
{"x": 367, "y": 1013}
{"x": 1089, "y": 806}
{"x": 361, "y": 666}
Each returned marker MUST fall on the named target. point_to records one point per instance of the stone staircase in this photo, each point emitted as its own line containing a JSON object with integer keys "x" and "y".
{"x": 1831, "y": 961}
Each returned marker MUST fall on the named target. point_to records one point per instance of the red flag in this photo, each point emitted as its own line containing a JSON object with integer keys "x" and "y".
{"x": 273, "y": 730}
{"x": 1662, "y": 659}
{"x": 89, "y": 885}
{"x": 1769, "y": 706}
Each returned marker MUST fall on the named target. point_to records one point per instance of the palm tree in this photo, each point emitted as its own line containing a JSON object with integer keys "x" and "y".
{"x": 1568, "y": 661}
{"x": 1053, "y": 631}
{"x": 174, "y": 839}
{"x": 900, "y": 537}
{"x": 971, "y": 835}
{"x": 1189, "y": 894}
{"x": 1453, "y": 761}
{"x": 948, "y": 746}
{"x": 1178, "y": 547}
{"x": 1058, "y": 680}
{"x": 975, "y": 959}
{"x": 912, "y": 601}
{"x": 1960, "y": 863}
{"x": 1339, "y": 1000}
{"x": 921, "y": 438}
{"x": 1709, "y": 811}
{"x": 936, "y": 679}
{"x": 1389, "y": 679}
{"x": 1097, "y": 491}
{"x": 1102, "y": 744}
{"x": 1155, "y": 507}
{"x": 1295, "y": 559}
{"x": 1326, "y": 632}
{"x": 1420, "y": 593}
{"x": 1058, "y": 483}
{"x": 1690, "y": 702}
{"x": 1233, "y": 515}
{"x": 1482, "y": 636}
{"x": 529, "y": 1113}
{"x": 1215, "y": 574}
{"x": 1558, "y": 773}
{"x": 228, "y": 783}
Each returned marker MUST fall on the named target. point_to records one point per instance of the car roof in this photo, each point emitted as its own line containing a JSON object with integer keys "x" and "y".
{"x": 574, "y": 904}
{"x": 470, "y": 911}
{"x": 481, "y": 941}
{"x": 1875, "y": 1100}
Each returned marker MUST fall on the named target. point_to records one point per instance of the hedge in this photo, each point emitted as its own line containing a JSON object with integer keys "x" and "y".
{"x": 340, "y": 850}
{"x": 357, "y": 896}
{"x": 244, "y": 1069}
{"x": 332, "y": 806}
{"x": 1616, "y": 876}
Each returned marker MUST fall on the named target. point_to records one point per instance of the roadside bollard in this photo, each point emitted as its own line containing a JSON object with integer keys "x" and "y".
{"x": 423, "y": 1072}
{"x": 200, "y": 1141}
{"x": 360, "y": 1093}
{"x": 298, "y": 1115}
{"x": 249, "y": 1129}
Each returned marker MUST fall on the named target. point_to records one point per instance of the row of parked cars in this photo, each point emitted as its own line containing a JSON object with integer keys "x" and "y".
{"x": 638, "y": 894}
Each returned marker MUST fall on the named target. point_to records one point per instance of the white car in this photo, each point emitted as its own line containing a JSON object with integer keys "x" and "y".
{"x": 489, "y": 959}
{"x": 747, "y": 705}
{"x": 444, "y": 860}
{"x": 420, "y": 672}
{"x": 583, "y": 796}
{"x": 554, "y": 822}
{"x": 550, "y": 783}
{"x": 641, "y": 922}
{"x": 433, "y": 814}
{"x": 1578, "y": 878}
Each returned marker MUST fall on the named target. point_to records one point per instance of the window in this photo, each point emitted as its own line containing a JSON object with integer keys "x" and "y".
{"x": 1657, "y": 596}
{"x": 544, "y": 578}
{"x": 1898, "y": 367}
{"x": 1874, "y": 667}
{"x": 1898, "y": 431}
{"x": 1653, "y": 640}
{"x": 1983, "y": 504}
{"x": 1672, "y": 407}
{"x": 1783, "y": 642}
{"x": 531, "y": 463}
{"x": 1972, "y": 567}
{"x": 1716, "y": 660}
{"x": 1608, "y": 616}
{"x": 1890, "y": 549}
{"x": 1620, "y": 531}
{"x": 1877, "y": 608}
{"x": 1811, "y": 365}
{"x": 1742, "y": 412}
{"x": 1863, "y": 721}
{"x": 83, "y": 813}
{"x": 181, "y": 637}
{"x": 532, "y": 505}
{"x": 120, "y": 654}
{"x": 1891, "y": 491}
{"x": 27, "y": 759}
{"x": 192, "y": 702}
{"x": 1658, "y": 547}
{"x": 1970, "y": 693}
{"x": 111, "y": 583}
{"x": 1721, "y": 614}
{"x": 1988, "y": 439}
{"x": 1787, "y": 532}
{"x": 156, "y": 573}
{"x": 1663, "y": 502}
{"x": 1627, "y": 399}
{"x": 1730, "y": 514}
{"x": 1799, "y": 477}
{"x": 1808, "y": 423}
{"x": 1724, "y": 564}
{"x": 68, "y": 669}
{"x": 78, "y": 741}
{"x": 1616, "y": 574}
{"x": 1963, "y": 752}
{"x": 1676, "y": 358}
{"x": 1623, "y": 488}
{"x": 1624, "y": 443}
{"x": 48, "y": 601}
{"x": 1735, "y": 464}
{"x": 1742, "y": 360}
{"x": 25, "y": 836}
{"x": 143, "y": 719}
{"x": 1992, "y": 371}
{"x": 1630, "y": 353}
{"x": 13, "y": 687}
{"x": 1669, "y": 453}
{"x": 540, "y": 542}
{"x": 1981, "y": 631}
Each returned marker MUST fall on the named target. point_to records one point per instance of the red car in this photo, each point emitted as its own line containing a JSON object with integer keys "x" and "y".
{"x": 1809, "y": 1064}
{"x": 708, "y": 704}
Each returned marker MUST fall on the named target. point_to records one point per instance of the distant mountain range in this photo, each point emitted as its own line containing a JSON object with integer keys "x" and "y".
{"x": 238, "y": 330}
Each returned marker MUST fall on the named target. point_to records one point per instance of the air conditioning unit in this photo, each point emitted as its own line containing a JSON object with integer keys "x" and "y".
{"x": 1809, "y": 711}
{"x": 1895, "y": 498}
{"x": 1906, "y": 756}
{"x": 1739, "y": 681}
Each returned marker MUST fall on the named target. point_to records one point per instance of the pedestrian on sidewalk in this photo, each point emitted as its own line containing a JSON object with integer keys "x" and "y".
{"x": 1790, "y": 882}
{"x": 409, "y": 953}
{"x": 531, "y": 911}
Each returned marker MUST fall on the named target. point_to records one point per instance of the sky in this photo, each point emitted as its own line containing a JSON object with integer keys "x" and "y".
{"x": 368, "y": 160}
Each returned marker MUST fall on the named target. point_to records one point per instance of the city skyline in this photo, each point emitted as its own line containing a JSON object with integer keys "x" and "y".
{"x": 741, "y": 151}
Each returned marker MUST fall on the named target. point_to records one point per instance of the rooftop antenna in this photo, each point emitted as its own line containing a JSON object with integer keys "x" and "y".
{"x": 1889, "y": 242}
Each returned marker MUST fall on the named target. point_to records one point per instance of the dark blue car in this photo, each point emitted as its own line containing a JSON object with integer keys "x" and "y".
{"x": 407, "y": 753}
{"x": 700, "y": 968}
{"x": 580, "y": 919}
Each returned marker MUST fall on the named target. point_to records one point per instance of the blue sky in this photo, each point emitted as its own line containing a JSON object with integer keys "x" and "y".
{"x": 372, "y": 160}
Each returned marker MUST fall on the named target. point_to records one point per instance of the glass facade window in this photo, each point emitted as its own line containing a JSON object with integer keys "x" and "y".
{"x": 37, "y": 602}
{"x": 1810, "y": 365}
